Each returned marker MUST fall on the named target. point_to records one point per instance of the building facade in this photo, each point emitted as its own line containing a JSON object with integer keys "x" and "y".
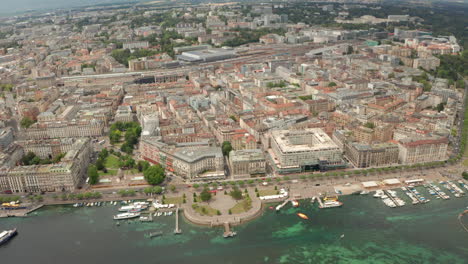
{"x": 63, "y": 176}
{"x": 247, "y": 163}
{"x": 376, "y": 155}
{"x": 412, "y": 150}
{"x": 303, "y": 150}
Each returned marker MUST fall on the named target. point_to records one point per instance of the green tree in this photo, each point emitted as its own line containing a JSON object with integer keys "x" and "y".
{"x": 236, "y": 193}
{"x": 157, "y": 189}
{"x": 127, "y": 148}
{"x": 142, "y": 165}
{"x": 172, "y": 188}
{"x": 99, "y": 164}
{"x": 114, "y": 136}
{"x": 465, "y": 175}
{"x": 226, "y": 148}
{"x": 154, "y": 175}
{"x": 103, "y": 154}
{"x": 331, "y": 84}
{"x": 205, "y": 195}
{"x": 26, "y": 122}
{"x": 93, "y": 175}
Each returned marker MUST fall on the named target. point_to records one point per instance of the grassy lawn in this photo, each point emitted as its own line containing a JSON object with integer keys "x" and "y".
{"x": 210, "y": 211}
{"x": 465, "y": 163}
{"x": 242, "y": 206}
{"x": 133, "y": 171}
{"x": 174, "y": 200}
{"x": 112, "y": 162}
{"x": 110, "y": 172}
{"x": 267, "y": 192}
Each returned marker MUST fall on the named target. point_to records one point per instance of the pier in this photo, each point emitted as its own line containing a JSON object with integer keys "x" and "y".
{"x": 460, "y": 219}
{"x": 418, "y": 196}
{"x": 453, "y": 188}
{"x": 414, "y": 200}
{"x": 177, "y": 230}
{"x": 394, "y": 199}
{"x": 227, "y": 231}
{"x": 319, "y": 200}
{"x": 282, "y": 205}
{"x": 438, "y": 191}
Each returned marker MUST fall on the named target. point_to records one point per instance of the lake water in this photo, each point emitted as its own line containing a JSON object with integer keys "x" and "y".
{"x": 373, "y": 233}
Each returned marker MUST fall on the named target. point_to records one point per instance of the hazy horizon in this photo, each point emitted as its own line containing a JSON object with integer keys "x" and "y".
{"x": 20, "y": 6}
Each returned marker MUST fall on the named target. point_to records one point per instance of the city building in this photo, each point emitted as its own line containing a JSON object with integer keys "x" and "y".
{"x": 247, "y": 163}
{"x": 63, "y": 176}
{"x": 371, "y": 155}
{"x": 420, "y": 150}
{"x": 303, "y": 150}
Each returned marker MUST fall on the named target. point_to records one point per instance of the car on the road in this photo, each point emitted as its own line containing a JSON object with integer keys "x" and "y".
{"x": 317, "y": 184}
{"x": 264, "y": 183}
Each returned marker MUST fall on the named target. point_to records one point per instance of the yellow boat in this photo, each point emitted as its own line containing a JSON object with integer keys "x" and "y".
{"x": 303, "y": 216}
{"x": 331, "y": 198}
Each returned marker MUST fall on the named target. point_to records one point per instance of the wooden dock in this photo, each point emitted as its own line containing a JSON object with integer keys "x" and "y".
{"x": 227, "y": 231}
{"x": 282, "y": 205}
{"x": 177, "y": 230}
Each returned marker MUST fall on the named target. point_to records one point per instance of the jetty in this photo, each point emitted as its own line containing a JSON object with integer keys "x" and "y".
{"x": 460, "y": 219}
{"x": 418, "y": 196}
{"x": 282, "y": 205}
{"x": 392, "y": 196}
{"x": 414, "y": 200}
{"x": 453, "y": 188}
{"x": 227, "y": 231}
{"x": 462, "y": 184}
{"x": 438, "y": 191}
{"x": 177, "y": 230}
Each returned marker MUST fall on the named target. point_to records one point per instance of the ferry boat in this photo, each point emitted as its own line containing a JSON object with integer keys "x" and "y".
{"x": 303, "y": 216}
{"x": 133, "y": 207}
{"x": 6, "y": 235}
{"x": 295, "y": 203}
{"x": 126, "y": 216}
{"x": 330, "y": 204}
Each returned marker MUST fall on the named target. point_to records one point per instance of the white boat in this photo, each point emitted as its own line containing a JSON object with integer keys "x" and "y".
{"x": 364, "y": 192}
{"x": 126, "y": 216}
{"x": 378, "y": 194}
{"x": 330, "y": 204}
{"x": 131, "y": 207}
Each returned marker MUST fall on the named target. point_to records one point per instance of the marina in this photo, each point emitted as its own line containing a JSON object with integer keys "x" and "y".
{"x": 417, "y": 194}
{"x": 435, "y": 190}
{"x": 413, "y": 198}
{"x": 273, "y": 235}
{"x": 452, "y": 188}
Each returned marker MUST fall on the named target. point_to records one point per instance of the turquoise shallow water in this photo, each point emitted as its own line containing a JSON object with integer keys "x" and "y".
{"x": 374, "y": 233}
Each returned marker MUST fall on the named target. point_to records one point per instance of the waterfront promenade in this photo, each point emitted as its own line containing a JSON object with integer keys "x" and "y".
{"x": 298, "y": 189}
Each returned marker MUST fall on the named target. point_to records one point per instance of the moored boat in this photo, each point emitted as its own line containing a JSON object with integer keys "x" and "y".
{"x": 295, "y": 203}
{"x": 6, "y": 235}
{"x": 126, "y": 216}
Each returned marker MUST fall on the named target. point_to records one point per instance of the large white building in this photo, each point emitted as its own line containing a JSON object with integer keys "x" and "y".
{"x": 303, "y": 150}
{"x": 420, "y": 150}
{"x": 63, "y": 176}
